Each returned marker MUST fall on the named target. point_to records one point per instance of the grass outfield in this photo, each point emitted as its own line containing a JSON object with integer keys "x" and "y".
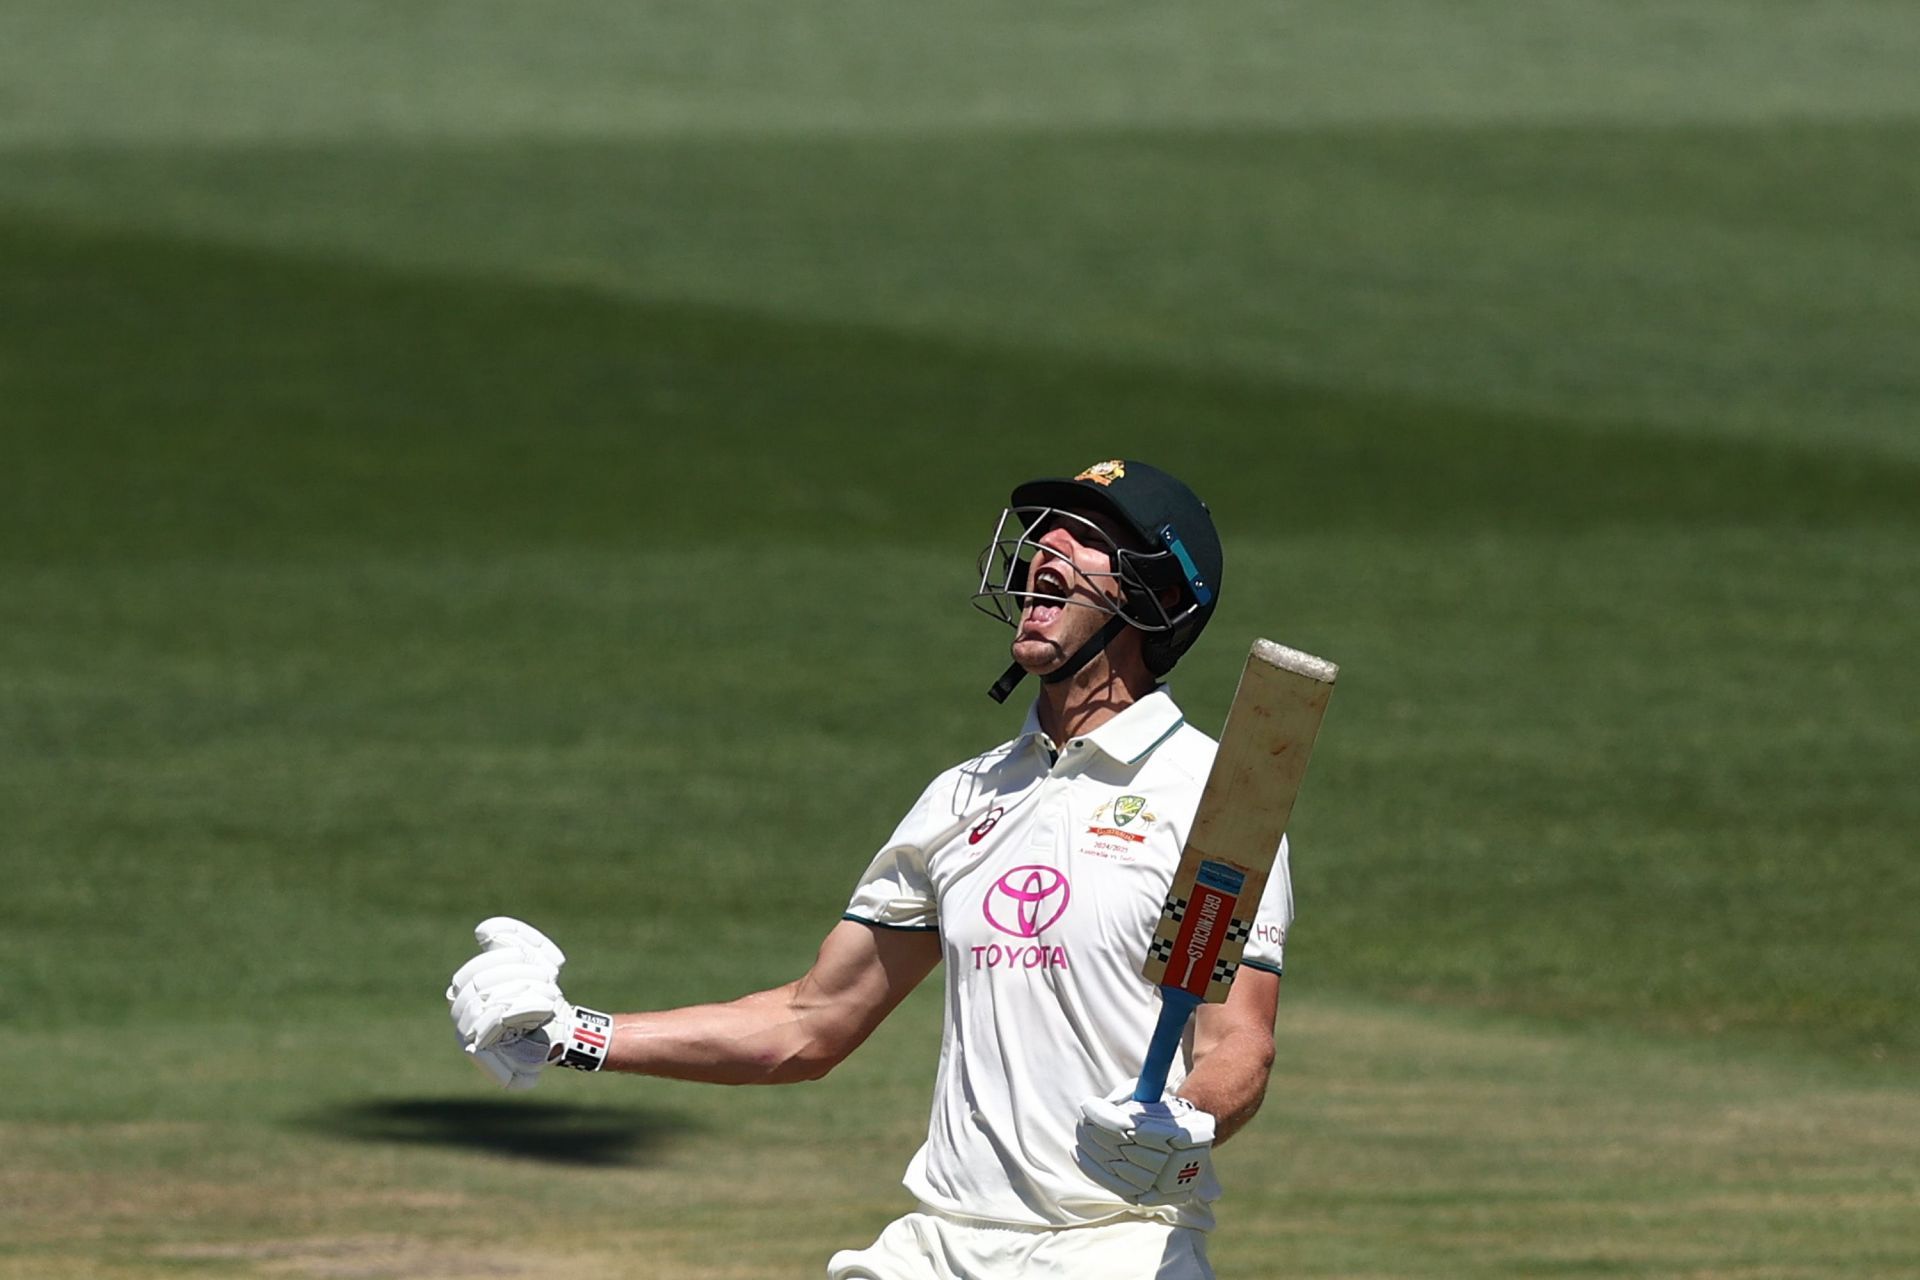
{"x": 1396, "y": 1143}
{"x": 450, "y": 470}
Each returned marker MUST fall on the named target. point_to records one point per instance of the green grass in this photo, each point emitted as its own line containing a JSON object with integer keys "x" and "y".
{"x": 1396, "y": 1143}
{"x": 539, "y": 478}
{"x": 1714, "y": 279}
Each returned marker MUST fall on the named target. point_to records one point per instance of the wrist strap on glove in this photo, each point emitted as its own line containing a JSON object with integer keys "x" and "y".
{"x": 584, "y": 1048}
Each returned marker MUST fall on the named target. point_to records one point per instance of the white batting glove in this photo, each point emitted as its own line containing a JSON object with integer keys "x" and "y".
{"x": 1147, "y": 1153}
{"x": 509, "y": 1015}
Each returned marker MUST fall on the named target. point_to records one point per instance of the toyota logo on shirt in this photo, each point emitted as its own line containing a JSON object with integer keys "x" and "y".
{"x": 1026, "y": 900}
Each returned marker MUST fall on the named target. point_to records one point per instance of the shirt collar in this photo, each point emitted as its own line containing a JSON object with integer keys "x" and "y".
{"x": 1129, "y": 737}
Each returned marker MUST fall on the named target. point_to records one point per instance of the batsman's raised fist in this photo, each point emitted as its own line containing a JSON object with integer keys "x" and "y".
{"x": 497, "y": 932}
{"x": 509, "y": 1014}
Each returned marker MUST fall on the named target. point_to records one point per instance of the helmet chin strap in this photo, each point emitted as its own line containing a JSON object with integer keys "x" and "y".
{"x": 1069, "y": 669}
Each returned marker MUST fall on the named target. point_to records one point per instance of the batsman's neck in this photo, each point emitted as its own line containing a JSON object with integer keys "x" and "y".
{"x": 1094, "y": 695}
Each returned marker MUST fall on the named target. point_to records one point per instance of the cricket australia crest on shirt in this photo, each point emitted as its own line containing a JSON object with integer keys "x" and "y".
{"x": 1119, "y": 826}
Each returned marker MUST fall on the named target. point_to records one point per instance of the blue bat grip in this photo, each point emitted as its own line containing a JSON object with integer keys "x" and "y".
{"x": 1176, "y": 1006}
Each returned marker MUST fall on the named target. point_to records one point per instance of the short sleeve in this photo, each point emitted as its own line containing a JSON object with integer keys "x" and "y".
{"x": 897, "y": 892}
{"x": 1273, "y": 918}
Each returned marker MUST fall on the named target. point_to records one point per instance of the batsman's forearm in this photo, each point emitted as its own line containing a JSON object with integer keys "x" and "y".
{"x": 796, "y": 1032}
{"x": 1230, "y": 1081}
{"x": 1233, "y": 1052}
{"x": 759, "y": 1039}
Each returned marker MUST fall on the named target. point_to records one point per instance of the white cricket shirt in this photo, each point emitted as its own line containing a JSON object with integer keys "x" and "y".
{"x": 1044, "y": 874}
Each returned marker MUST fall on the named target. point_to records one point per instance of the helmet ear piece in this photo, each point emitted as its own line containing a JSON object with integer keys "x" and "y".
{"x": 1144, "y": 598}
{"x": 1151, "y": 572}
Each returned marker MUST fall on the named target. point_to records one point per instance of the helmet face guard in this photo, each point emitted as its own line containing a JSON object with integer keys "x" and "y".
{"x": 1015, "y": 554}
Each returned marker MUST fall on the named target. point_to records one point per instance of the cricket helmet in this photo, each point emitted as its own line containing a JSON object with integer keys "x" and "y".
{"x": 1168, "y": 567}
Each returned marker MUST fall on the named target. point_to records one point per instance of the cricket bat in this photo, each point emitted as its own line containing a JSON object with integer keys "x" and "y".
{"x": 1243, "y": 812}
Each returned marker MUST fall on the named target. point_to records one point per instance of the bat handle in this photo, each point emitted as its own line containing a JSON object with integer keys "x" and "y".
{"x": 1176, "y": 1006}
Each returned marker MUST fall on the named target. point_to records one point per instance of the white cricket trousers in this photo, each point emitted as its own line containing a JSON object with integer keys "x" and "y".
{"x": 931, "y": 1246}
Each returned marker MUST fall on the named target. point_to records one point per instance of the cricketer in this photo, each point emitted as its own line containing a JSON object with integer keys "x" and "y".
{"x": 1035, "y": 872}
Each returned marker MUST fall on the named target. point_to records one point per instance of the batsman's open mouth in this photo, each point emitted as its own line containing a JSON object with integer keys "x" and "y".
{"x": 1050, "y": 591}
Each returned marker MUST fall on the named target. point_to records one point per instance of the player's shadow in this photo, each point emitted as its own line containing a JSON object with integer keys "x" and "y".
{"x": 552, "y": 1133}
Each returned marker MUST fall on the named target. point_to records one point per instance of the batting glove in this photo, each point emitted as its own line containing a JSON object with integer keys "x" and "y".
{"x": 509, "y": 1015}
{"x": 1147, "y": 1153}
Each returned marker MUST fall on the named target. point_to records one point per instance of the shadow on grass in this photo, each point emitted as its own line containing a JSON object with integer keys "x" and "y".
{"x": 564, "y": 1133}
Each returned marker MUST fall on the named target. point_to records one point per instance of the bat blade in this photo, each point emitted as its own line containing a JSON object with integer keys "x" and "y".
{"x": 1244, "y": 809}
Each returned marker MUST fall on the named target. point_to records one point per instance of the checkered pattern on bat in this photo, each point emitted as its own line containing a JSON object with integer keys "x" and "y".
{"x": 1239, "y": 930}
{"x": 1162, "y": 949}
{"x": 1223, "y": 970}
{"x": 1175, "y": 909}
